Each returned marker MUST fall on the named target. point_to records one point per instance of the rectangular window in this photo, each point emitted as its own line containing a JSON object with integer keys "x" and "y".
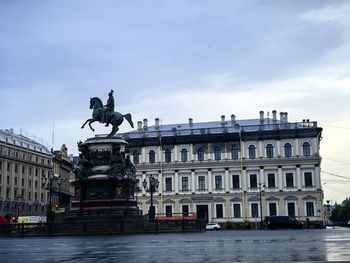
{"x": 185, "y": 210}
{"x": 310, "y": 209}
{"x": 168, "y": 211}
{"x": 289, "y": 180}
{"x": 255, "y": 209}
{"x": 237, "y": 211}
{"x": 8, "y": 167}
{"x": 16, "y": 168}
{"x": 201, "y": 182}
{"x": 271, "y": 180}
{"x": 218, "y": 182}
{"x": 273, "y": 209}
{"x": 30, "y": 170}
{"x": 219, "y": 211}
{"x": 308, "y": 179}
{"x": 235, "y": 181}
{"x": 16, "y": 181}
{"x": 168, "y": 184}
{"x": 184, "y": 184}
{"x": 253, "y": 181}
{"x": 22, "y": 182}
{"x": 291, "y": 209}
{"x": 23, "y": 169}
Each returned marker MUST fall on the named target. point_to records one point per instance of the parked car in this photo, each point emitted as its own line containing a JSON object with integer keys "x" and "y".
{"x": 212, "y": 226}
{"x": 274, "y": 222}
{"x": 5, "y": 227}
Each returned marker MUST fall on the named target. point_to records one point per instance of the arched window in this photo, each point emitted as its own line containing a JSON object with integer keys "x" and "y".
{"x": 200, "y": 153}
{"x": 234, "y": 152}
{"x": 135, "y": 157}
{"x": 217, "y": 153}
{"x": 167, "y": 156}
{"x": 269, "y": 150}
{"x": 252, "y": 151}
{"x": 306, "y": 149}
{"x": 152, "y": 156}
{"x": 287, "y": 150}
{"x": 184, "y": 155}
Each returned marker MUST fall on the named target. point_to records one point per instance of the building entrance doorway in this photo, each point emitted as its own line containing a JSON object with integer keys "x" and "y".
{"x": 202, "y": 212}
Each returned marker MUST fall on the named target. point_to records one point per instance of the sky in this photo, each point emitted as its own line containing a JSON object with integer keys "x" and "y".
{"x": 178, "y": 59}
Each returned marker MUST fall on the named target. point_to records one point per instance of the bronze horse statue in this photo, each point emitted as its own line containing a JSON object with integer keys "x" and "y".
{"x": 116, "y": 118}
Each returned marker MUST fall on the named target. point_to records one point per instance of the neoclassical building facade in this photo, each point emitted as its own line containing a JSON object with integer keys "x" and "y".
{"x": 23, "y": 164}
{"x": 234, "y": 171}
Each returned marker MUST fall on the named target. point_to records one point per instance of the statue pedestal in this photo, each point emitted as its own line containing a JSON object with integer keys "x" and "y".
{"x": 105, "y": 183}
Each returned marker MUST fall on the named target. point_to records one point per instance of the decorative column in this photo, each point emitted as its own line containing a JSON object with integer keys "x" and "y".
{"x": 261, "y": 175}
{"x": 317, "y": 177}
{"x": 280, "y": 178}
{"x": 193, "y": 181}
{"x": 160, "y": 181}
{"x": 210, "y": 179}
{"x": 226, "y": 181}
{"x": 260, "y": 150}
{"x": 176, "y": 182}
{"x": 176, "y": 156}
{"x": 298, "y": 179}
{"x": 244, "y": 179}
{"x": 296, "y": 147}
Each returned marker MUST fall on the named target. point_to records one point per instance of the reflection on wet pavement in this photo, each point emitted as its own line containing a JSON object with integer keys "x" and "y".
{"x": 217, "y": 246}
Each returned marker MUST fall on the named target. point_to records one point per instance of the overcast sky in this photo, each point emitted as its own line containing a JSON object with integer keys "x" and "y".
{"x": 175, "y": 60}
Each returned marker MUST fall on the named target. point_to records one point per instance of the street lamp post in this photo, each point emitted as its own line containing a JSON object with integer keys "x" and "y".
{"x": 260, "y": 192}
{"x": 153, "y": 185}
{"x": 48, "y": 184}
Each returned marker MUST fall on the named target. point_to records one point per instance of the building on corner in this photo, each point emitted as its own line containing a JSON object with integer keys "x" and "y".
{"x": 234, "y": 172}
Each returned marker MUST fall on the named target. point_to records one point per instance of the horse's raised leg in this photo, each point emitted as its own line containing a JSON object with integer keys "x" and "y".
{"x": 85, "y": 123}
{"x": 92, "y": 120}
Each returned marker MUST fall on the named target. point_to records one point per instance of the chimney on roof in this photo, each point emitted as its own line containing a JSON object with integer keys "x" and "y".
{"x": 139, "y": 125}
{"x": 261, "y": 117}
{"x": 145, "y": 123}
{"x": 156, "y": 122}
{"x": 274, "y": 116}
{"x": 222, "y": 118}
{"x": 190, "y": 122}
{"x": 286, "y": 116}
{"x": 233, "y": 118}
{"x": 281, "y": 117}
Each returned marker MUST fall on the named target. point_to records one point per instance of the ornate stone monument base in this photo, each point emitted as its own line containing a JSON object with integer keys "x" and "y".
{"x": 105, "y": 181}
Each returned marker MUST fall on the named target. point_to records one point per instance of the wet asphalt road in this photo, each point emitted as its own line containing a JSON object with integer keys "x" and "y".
{"x": 211, "y": 246}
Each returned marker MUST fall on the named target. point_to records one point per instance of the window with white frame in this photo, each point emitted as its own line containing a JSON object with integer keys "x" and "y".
{"x": 272, "y": 209}
{"x": 168, "y": 184}
{"x": 218, "y": 182}
{"x": 219, "y": 210}
{"x": 237, "y": 210}
{"x": 254, "y": 210}
{"x": 200, "y": 154}
{"x": 310, "y": 208}
{"x": 234, "y": 152}
{"x": 289, "y": 180}
{"x": 306, "y": 149}
{"x": 185, "y": 210}
{"x": 167, "y": 155}
{"x": 291, "y": 209}
{"x": 287, "y": 150}
{"x": 201, "y": 182}
{"x": 252, "y": 152}
{"x": 253, "y": 180}
{"x": 152, "y": 156}
{"x": 217, "y": 153}
{"x": 168, "y": 210}
{"x": 235, "y": 181}
{"x": 271, "y": 182}
{"x": 308, "y": 179}
{"x": 184, "y": 155}
{"x": 184, "y": 183}
{"x": 269, "y": 150}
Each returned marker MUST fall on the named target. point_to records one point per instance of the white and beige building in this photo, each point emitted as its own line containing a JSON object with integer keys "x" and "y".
{"x": 235, "y": 171}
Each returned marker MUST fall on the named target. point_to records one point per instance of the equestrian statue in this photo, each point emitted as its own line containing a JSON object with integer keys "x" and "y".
{"x": 106, "y": 114}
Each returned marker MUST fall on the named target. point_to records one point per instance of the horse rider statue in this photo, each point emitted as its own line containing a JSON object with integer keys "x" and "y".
{"x": 108, "y": 109}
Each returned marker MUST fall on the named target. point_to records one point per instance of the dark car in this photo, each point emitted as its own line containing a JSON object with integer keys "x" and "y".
{"x": 5, "y": 227}
{"x": 274, "y": 222}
